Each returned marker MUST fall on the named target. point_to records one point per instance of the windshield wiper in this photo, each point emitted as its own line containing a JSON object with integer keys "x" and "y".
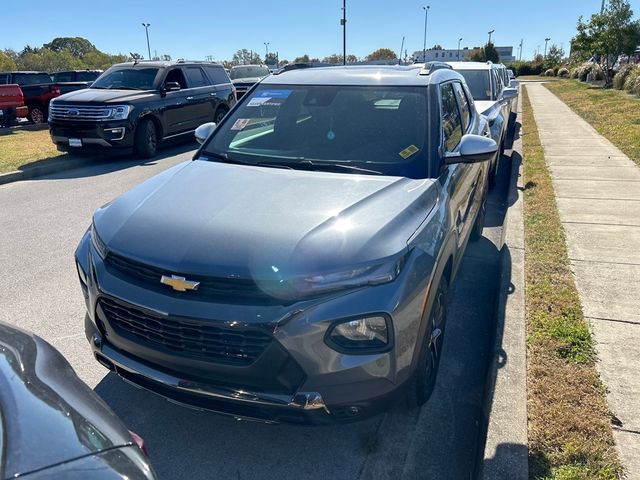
{"x": 226, "y": 159}
{"x": 335, "y": 167}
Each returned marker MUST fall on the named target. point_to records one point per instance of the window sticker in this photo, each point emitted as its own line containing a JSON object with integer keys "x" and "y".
{"x": 407, "y": 152}
{"x": 258, "y": 101}
{"x": 274, "y": 93}
{"x": 240, "y": 124}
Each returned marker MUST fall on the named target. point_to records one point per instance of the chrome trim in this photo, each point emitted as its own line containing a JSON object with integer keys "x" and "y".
{"x": 121, "y": 130}
{"x": 300, "y": 400}
{"x": 79, "y": 112}
{"x": 177, "y": 134}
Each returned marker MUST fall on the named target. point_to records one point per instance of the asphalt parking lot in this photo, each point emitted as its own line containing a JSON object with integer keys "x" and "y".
{"x": 41, "y": 222}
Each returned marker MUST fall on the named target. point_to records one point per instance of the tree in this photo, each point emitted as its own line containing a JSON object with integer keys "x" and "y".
{"x": 244, "y": 57}
{"x": 271, "y": 59}
{"x": 303, "y": 59}
{"x": 333, "y": 58}
{"x": 607, "y": 34}
{"x": 484, "y": 54}
{"x": 554, "y": 56}
{"x": 49, "y": 61}
{"x": 382, "y": 54}
{"x": 437, "y": 46}
{"x": 78, "y": 46}
{"x": 6, "y": 63}
{"x": 477, "y": 55}
{"x": 351, "y": 58}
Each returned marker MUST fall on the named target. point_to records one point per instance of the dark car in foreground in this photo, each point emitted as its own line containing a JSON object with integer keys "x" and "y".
{"x": 298, "y": 268}
{"x": 52, "y": 425}
{"x": 246, "y": 76}
{"x": 136, "y": 106}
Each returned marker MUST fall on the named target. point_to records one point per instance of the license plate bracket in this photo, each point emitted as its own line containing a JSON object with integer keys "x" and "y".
{"x": 75, "y": 142}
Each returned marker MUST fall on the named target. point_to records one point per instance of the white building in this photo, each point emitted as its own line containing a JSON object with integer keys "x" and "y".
{"x": 454, "y": 55}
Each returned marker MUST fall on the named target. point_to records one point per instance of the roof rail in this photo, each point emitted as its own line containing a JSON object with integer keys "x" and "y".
{"x": 430, "y": 67}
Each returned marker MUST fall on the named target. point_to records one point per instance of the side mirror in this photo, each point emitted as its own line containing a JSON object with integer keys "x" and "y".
{"x": 473, "y": 149}
{"x": 203, "y": 132}
{"x": 513, "y": 83}
{"x": 170, "y": 87}
{"x": 509, "y": 93}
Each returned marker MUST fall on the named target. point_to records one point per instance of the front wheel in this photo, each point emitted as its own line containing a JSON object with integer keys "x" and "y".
{"x": 219, "y": 115}
{"x": 146, "y": 139}
{"x": 423, "y": 381}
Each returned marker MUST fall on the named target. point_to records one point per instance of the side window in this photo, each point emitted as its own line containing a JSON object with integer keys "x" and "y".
{"x": 196, "y": 78}
{"x": 451, "y": 121}
{"x": 4, "y": 78}
{"x": 465, "y": 108}
{"x": 176, "y": 75}
{"x": 217, "y": 75}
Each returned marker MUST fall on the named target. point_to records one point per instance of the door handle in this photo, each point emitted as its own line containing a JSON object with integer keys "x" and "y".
{"x": 189, "y": 98}
{"x": 213, "y": 94}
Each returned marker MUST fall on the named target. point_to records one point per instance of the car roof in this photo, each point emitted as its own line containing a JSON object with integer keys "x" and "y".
{"x": 401, "y": 75}
{"x": 163, "y": 64}
{"x": 471, "y": 65}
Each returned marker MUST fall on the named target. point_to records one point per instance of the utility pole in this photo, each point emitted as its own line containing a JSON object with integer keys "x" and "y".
{"x": 146, "y": 29}
{"x": 343, "y": 22}
{"x": 459, "y": 40}
{"x": 424, "y": 45}
{"x": 490, "y": 32}
{"x": 520, "y": 54}
{"x": 401, "y": 49}
{"x": 546, "y": 40}
{"x": 266, "y": 51}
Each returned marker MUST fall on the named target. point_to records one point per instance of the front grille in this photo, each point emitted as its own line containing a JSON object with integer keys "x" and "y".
{"x": 209, "y": 286}
{"x": 203, "y": 340}
{"x": 79, "y": 112}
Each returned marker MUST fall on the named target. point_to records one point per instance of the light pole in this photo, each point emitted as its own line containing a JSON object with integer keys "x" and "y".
{"x": 266, "y": 51}
{"x": 146, "y": 29}
{"x": 459, "y": 40}
{"x": 343, "y": 22}
{"x": 424, "y": 45}
{"x": 520, "y": 53}
{"x": 546, "y": 40}
{"x": 490, "y": 32}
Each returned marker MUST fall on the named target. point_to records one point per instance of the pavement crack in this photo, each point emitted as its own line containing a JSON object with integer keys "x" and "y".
{"x": 630, "y": 322}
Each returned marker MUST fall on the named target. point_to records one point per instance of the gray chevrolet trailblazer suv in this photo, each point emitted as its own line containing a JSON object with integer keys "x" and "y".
{"x": 298, "y": 268}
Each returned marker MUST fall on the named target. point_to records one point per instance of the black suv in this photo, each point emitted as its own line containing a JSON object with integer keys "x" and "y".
{"x": 134, "y": 106}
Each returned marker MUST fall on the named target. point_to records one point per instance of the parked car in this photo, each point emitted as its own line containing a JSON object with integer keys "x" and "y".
{"x": 52, "y": 425}
{"x": 491, "y": 100}
{"x": 246, "y": 76}
{"x": 136, "y": 106}
{"x": 506, "y": 82}
{"x": 512, "y": 76}
{"x": 11, "y": 104}
{"x": 298, "y": 268}
{"x": 38, "y": 90}
{"x": 72, "y": 80}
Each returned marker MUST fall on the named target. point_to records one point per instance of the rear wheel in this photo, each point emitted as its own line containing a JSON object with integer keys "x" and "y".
{"x": 146, "y": 139}
{"x": 219, "y": 115}
{"x": 422, "y": 383}
{"x": 36, "y": 114}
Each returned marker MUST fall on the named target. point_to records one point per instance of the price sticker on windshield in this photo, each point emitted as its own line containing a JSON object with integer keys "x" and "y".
{"x": 240, "y": 124}
{"x": 407, "y": 152}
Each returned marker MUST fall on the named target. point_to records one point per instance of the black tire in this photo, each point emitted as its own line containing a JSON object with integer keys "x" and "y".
{"x": 37, "y": 114}
{"x": 219, "y": 115}
{"x": 478, "y": 225}
{"x": 423, "y": 381}
{"x": 146, "y": 139}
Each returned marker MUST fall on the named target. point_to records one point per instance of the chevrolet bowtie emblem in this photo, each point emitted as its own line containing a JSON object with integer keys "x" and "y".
{"x": 179, "y": 284}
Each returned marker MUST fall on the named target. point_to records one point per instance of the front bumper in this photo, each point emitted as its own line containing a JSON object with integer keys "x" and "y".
{"x": 117, "y": 135}
{"x": 297, "y": 379}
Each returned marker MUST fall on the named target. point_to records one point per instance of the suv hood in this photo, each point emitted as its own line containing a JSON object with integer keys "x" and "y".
{"x": 219, "y": 219}
{"x": 102, "y": 96}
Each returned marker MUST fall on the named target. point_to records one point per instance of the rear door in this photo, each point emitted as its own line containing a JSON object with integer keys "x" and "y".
{"x": 223, "y": 86}
{"x": 201, "y": 98}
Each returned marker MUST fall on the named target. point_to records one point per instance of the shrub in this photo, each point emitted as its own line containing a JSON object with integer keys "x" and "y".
{"x": 590, "y": 68}
{"x": 563, "y": 72}
{"x": 636, "y": 87}
{"x": 620, "y": 77}
{"x": 630, "y": 81}
{"x": 549, "y": 73}
{"x": 575, "y": 72}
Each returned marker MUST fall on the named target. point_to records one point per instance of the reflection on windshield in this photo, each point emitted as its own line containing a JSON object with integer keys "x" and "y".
{"x": 248, "y": 72}
{"x": 127, "y": 78}
{"x": 478, "y": 83}
{"x": 380, "y": 129}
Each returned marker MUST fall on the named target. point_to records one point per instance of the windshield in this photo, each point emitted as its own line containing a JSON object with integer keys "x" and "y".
{"x": 250, "y": 71}
{"x": 127, "y": 79}
{"x": 381, "y": 129}
{"x": 479, "y": 83}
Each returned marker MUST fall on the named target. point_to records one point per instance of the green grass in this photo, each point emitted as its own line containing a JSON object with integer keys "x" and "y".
{"x": 570, "y": 434}
{"x": 537, "y": 78}
{"x": 20, "y": 148}
{"x": 613, "y": 113}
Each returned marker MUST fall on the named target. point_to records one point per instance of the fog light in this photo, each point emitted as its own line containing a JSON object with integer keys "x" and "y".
{"x": 360, "y": 335}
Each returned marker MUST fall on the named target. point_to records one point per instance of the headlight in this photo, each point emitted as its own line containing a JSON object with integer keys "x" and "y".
{"x": 99, "y": 245}
{"x": 119, "y": 112}
{"x": 354, "y": 277}
{"x": 369, "y": 334}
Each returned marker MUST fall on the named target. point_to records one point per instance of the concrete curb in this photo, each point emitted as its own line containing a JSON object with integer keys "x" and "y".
{"x": 505, "y": 450}
{"x": 46, "y": 169}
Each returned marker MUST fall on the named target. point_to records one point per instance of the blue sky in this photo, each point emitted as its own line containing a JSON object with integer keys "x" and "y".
{"x": 196, "y": 28}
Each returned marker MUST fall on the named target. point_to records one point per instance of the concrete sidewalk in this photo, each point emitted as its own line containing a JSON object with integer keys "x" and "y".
{"x": 598, "y": 195}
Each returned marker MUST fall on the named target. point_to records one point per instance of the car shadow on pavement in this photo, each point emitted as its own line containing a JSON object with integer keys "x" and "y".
{"x": 95, "y": 165}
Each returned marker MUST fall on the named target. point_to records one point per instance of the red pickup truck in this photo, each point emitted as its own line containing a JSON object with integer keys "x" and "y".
{"x": 38, "y": 90}
{"x": 11, "y": 105}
